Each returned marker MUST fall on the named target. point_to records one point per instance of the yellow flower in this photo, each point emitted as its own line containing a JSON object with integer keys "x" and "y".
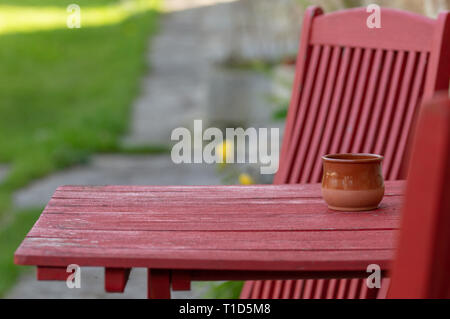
{"x": 245, "y": 179}
{"x": 226, "y": 148}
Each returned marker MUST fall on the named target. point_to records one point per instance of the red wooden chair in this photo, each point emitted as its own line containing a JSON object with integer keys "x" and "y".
{"x": 422, "y": 265}
{"x": 356, "y": 89}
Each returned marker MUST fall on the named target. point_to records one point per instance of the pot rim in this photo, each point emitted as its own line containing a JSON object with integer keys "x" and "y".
{"x": 352, "y": 158}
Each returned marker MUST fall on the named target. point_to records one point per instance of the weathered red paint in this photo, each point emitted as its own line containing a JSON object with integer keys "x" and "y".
{"x": 188, "y": 233}
{"x": 116, "y": 279}
{"x": 358, "y": 90}
{"x": 52, "y": 273}
{"x": 422, "y": 265}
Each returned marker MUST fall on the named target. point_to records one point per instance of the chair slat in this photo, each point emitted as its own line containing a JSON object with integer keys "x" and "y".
{"x": 346, "y": 103}
{"x": 399, "y": 111}
{"x": 332, "y": 289}
{"x": 246, "y": 291}
{"x": 322, "y": 289}
{"x": 309, "y": 287}
{"x": 298, "y": 290}
{"x": 342, "y": 288}
{"x": 289, "y": 286}
{"x": 312, "y": 154}
{"x": 277, "y": 289}
{"x": 302, "y": 115}
{"x": 351, "y": 124}
{"x": 354, "y": 288}
{"x": 299, "y": 172}
{"x": 338, "y": 93}
{"x": 267, "y": 289}
{"x": 386, "y": 117}
{"x": 411, "y": 113}
{"x": 257, "y": 289}
{"x": 380, "y": 102}
{"x": 366, "y": 111}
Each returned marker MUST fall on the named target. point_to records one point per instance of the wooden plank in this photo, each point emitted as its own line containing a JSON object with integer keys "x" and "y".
{"x": 247, "y": 290}
{"x": 213, "y": 191}
{"x": 289, "y": 286}
{"x": 228, "y": 236}
{"x": 267, "y": 289}
{"x": 409, "y": 120}
{"x": 297, "y": 204}
{"x": 380, "y": 102}
{"x": 116, "y": 279}
{"x": 322, "y": 288}
{"x": 309, "y": 289}
{"x": 401, "y": 30}
{"x": 424, "y": 241}
{"x": 298, "y": 289}
{"x": 313, "y": 156}
{"x": 396, "y": 125}
{"x": 387, "y": 217}
{"x": 438, "y": 74}
{"x": 386, "y": 118}
{"x": 355, "y": 288}
{"x": 343, "y": 286}
{"x": 332, "y": 289}
{"x": 357, "y": 102}
{"x": 277, "y": 289}
{"x": 346, "y": 102}
{"x": 344, "y": 260}
{"x": 211, "y": 275}
{"x": 313, "y": 113}
{"x": 51, "y": 273}
{"x": 335, "y": 108}
{"x": 218, "y": 240}
{"x": 366, "y": 111}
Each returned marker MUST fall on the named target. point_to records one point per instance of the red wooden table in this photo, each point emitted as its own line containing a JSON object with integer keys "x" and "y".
{"x": 184, "y": 233}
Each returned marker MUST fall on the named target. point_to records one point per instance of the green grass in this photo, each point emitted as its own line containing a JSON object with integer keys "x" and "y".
{"x": 224, "y": 290}
{"x": 11, "y": 235}
{"x": 64, "y": 94}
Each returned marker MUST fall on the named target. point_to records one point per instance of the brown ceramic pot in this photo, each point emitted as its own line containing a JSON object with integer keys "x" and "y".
{"x": 352, "y": 182}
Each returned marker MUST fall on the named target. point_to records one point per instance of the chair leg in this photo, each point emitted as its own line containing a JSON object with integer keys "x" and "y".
{"x": 180, "y": 280}
{"x": 116, "y": 279}
{"x": 158, "y": 284}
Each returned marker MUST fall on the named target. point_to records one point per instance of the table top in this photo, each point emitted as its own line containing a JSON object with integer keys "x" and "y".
{"x": 256, "y": 228}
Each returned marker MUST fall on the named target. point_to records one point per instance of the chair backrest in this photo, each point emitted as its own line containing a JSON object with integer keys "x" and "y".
{"x": 422, "y": 266}
{"x": 358, "y": 89}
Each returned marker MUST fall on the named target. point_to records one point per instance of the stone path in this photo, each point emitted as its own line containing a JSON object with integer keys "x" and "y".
{"x": 186, "y": 82}
{"x": 119, "y": 170}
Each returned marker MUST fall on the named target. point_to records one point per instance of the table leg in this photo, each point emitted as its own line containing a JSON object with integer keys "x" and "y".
{"x": 181, "y": 280}
{"x": 158, "y": 284}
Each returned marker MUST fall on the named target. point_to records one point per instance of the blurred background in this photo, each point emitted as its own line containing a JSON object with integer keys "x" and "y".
{"x": 95, "y": 103}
